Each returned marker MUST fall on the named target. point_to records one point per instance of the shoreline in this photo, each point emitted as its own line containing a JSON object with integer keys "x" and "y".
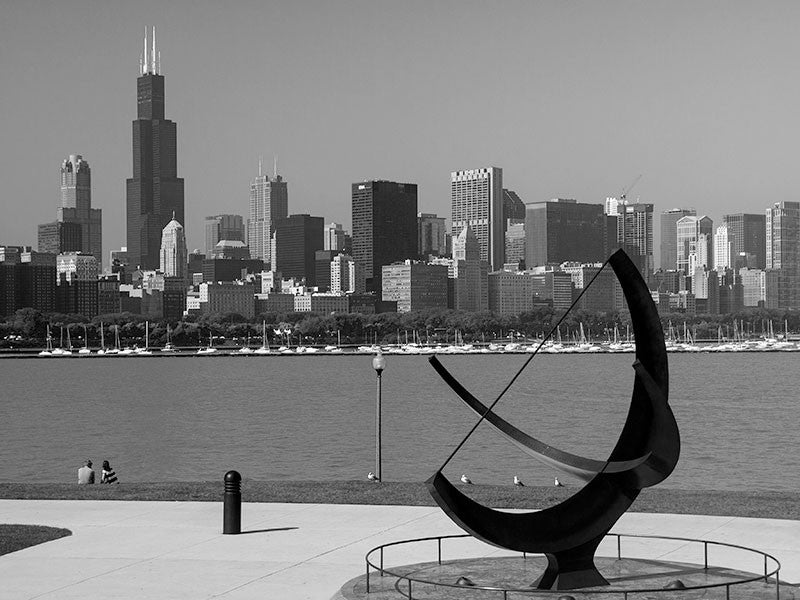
{"x": 756, "y": 504}
{"x": 313, "y": 351}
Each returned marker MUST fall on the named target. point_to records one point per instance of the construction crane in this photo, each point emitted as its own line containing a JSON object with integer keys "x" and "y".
{"x": 625, "y": 191}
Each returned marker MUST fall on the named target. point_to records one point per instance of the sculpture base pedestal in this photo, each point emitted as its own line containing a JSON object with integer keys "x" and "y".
{"x": 519, "y": 573}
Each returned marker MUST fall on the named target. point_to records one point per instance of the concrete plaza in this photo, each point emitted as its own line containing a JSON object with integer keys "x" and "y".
{"x": 126, "y": 550}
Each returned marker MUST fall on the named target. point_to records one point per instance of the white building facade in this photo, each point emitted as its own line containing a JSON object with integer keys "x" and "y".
{"x": 174, "y": 255}
{"x": 476, "y": 199}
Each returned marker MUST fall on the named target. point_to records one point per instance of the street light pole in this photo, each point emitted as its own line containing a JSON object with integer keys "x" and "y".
{"x": 379, "y": 364}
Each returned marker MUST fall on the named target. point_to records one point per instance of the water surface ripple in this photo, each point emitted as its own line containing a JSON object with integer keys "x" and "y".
{"x": 313, "y": 417}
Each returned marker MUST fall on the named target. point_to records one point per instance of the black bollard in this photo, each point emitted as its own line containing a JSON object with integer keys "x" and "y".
{"x": 232, "y": 503}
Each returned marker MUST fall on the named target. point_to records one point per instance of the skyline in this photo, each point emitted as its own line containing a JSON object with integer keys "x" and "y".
{"x": 570, "y": 100}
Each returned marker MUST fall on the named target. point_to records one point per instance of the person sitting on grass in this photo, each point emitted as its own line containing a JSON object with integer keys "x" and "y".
{"x": 86, "y": 473}
{"x": 108, "y": 475}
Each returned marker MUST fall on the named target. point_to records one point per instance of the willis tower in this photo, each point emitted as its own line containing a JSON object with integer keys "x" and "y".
{"x": 155, "y": 192}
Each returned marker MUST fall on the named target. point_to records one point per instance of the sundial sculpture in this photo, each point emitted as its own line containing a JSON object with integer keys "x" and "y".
{"x": 646, "y": 452}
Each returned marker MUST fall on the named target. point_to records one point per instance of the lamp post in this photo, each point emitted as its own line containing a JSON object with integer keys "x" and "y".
{"x": 379, "y": 364}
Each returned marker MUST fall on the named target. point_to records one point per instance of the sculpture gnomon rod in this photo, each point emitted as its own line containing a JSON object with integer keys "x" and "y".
{"x": 646, "y": 452}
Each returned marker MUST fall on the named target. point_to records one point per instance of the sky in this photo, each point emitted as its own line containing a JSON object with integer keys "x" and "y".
{"x": 572, "y": 99}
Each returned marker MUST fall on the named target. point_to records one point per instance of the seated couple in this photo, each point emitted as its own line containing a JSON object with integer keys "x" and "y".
{"x": 86, "y": 473}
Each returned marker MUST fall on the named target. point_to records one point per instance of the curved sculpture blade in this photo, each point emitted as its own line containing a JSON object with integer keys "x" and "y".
{"x": 582, "y": 467}
{"x": 570, "y": 531}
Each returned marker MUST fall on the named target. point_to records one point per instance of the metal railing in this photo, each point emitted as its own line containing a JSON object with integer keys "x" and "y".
{"x": 529, "y": 592}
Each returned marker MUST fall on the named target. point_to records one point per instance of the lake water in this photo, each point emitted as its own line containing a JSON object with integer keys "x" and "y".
{"x": 313, "y": 417}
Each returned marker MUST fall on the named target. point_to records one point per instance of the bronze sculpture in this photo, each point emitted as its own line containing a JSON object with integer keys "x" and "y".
{"x": 645, "y": 454}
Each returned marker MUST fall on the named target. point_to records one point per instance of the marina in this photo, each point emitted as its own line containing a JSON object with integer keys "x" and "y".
{"x": 507, "y": 347}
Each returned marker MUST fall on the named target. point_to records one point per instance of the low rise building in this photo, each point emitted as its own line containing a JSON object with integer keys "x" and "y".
{"x": 274, "y": 302}
{"x": 231, "y": 249}
{"x": 229, "y": 269}
{"x": 108, "y": 296}
{"x": 600, "y": 296}
{"x": 510, "y": 292}
{"x": 329, "y": 304}
{"x": 233, "y": 297}
{"x": 414, "y": 285}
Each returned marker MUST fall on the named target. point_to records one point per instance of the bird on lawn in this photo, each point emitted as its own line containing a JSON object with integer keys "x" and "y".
{"x": 557, "y": 483}
{"x": 465, "y": 479}
{"x": 518, "y": 482}
{"x": 372, "y": 477}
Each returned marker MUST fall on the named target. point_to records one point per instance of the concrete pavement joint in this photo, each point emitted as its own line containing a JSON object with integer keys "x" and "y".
{"x": 321, "y": 554}
{"x": 63, "y": 587}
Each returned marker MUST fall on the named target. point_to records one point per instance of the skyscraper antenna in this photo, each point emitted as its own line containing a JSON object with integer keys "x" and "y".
{"x": 153, "y": 57}
{"x": 159, "y": 62}
{"x": 260, "y": 162}
{"x": 275, "y": 167}
{"x": 144, "y": 69}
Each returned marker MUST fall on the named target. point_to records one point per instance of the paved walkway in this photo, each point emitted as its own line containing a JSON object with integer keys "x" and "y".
{"x": 134, "y": 550}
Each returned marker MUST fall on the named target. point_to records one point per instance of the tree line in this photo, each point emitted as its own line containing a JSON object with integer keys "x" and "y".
{"x": 28, "y": 327}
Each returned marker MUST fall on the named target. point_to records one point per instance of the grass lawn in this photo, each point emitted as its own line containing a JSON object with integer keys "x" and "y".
{"x": 17, "y": 537}
{"x": 761, "y": 504}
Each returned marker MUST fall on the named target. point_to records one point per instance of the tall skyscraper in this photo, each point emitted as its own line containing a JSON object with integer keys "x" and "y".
{"x": 513, "y": 207}
{"x": 635, "y": 234}
{"x": 748, "y": 233}
{"x": 174, "y": 256}
{"x": 76, "y": 204}
{"x": 694, "y": 240}
{"x": 470, "y": 274}
{"x": 432, "y": 234}
{"x": 564, "y": 230}
{"x": 384, "y": 226}
{"x": 322, "y": 268}
{"x": 59, "y": 237}
{"x": 347, "y": 276}
{"x": 269, "y": 201}
{"x": 723, "y": 258}
{"x": 783, "y": 237}
{"x": 223, "y": 227}
{"x": 334, "y": 237}
{"x": 669, "y": 236}
{"x": 155, "y": 192}
{"x": 476, "y": 199}
{"x": 295, "y": 243}
{"x": 515, "y": 244}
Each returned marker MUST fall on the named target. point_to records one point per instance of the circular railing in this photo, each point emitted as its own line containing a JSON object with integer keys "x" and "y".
{"x": 775, "y": 565}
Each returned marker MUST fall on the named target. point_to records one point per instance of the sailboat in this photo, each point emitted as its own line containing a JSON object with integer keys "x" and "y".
{"x": 146, "y": 350}
{"x": 337, "y": 349}
{"x": 168, "y": 347}
{"x": 85, "y": 349}
{"x": 122, "y": 351}
{"x": 48, "y": 351}
{"x": 115, "y": 349}
{"x": 246, "y": 349}
{"x": 210, "y": 348}
{"x": 61, "y": 351}
{"x": 102, "y": 349}
{"x": 264, "y": 349}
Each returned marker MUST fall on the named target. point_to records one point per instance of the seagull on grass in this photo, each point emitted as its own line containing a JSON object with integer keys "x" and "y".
{"x": 557, "y": 483}
{"x": 465, "y": 479}
{"x": 372, "y": 477}
{"x": 518, "y": 482}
